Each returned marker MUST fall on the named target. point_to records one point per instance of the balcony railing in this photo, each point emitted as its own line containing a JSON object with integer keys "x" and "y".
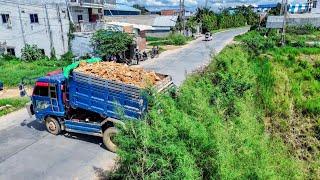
{"x": 92, "y": 1}
{"x": 90, "y": 27}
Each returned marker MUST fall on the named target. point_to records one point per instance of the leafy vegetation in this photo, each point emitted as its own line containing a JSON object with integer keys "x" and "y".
{"x": 211, "y": 21}
{"x": 12, "y": 104}
{"x": 108, "y": 43}
{"x": 31, "y": 53}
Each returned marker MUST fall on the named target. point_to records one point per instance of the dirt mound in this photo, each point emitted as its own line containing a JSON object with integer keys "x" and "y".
{"x": 120, "y": 73}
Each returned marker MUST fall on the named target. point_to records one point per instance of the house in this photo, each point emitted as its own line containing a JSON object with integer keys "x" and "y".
{"x": 81, "y": 45}
{"x": 36, "y": 23}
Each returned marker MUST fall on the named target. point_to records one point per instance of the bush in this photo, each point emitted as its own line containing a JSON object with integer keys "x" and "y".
{"x": 177, "y": 39}
{"x": 256, "y": 42}
{"x": 31, "y": 53}
{"x": 68, "y": 57}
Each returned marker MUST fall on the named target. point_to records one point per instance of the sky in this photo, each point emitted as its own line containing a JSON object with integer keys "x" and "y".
{"x": 198, "y": 3}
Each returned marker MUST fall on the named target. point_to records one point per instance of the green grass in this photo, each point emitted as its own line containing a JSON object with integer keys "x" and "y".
{"x": 288, "y": 91}
{"x": 14, "y": 104}
{"x": 172, "y": 39}
{"x": 151, "y": 38}
{"x": 12, "y": 71}
{"x": 214, "y": 129}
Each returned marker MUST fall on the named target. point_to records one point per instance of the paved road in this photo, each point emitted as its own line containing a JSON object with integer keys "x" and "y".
{"x": 27, "y": 151}
{"x": 180, "y": 62}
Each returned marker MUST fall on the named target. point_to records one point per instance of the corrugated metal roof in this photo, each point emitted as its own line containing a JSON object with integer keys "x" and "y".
{"x": 294, "y": 20}
{"x": 120, "y": 7}
{"x": 165, "y": 21}
{"x": 136, "y": 26}
{"x": 269, "y": 5}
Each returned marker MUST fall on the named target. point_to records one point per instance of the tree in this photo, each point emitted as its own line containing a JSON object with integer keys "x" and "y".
{"x": 108, "y": 43}
{"x": 251, "y": 17}
{"x": 209, "y": 22}
{"x": 275, "y": 11}
{"x": 192, "y": 24}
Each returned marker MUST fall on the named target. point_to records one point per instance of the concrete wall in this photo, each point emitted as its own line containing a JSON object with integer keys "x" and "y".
{"x": 317, "y": 9}
{"x": 20, "y": 28}
{"x": 80, "y": 44}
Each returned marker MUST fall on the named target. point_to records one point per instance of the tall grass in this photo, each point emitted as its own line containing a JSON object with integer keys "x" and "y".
{"x": 213, "y": 130}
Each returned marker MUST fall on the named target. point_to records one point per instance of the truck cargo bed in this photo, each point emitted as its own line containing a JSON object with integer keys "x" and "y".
{"x": 109, "y": 98}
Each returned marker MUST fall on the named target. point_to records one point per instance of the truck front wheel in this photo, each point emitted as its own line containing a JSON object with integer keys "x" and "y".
{"x": 53, "y": 126}
{"x": 108, "y": 138}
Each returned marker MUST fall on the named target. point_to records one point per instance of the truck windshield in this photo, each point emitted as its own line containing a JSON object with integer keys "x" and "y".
{"x": 41, "y": 91}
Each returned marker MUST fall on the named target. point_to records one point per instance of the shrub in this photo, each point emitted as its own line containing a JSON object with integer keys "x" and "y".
{"x": 177, "y": 39}
{"x": 31, "y": 53}
{"x": 301, "y": 30}
{"x": 67, "y": 57}
{"x": 256, "y": 42}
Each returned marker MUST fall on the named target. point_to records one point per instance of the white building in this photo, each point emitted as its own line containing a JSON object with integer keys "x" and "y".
{"x": 43, "y": 24}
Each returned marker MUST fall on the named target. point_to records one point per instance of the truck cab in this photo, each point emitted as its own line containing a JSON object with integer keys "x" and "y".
{"x": 47, "y": 97}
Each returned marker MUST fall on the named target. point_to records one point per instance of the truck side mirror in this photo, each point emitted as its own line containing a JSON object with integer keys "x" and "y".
{"x": 22, "y": 90}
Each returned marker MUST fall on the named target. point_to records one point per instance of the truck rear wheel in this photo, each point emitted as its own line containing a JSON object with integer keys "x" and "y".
{"x": 108, "y": 138}
{"x": 53, "y": 126}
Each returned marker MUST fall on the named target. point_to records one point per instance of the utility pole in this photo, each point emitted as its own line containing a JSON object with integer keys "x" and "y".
{"x": 50, "y": 31}
{"x": 21, "y": 24}
{"x": 284, "y": 23}
{"x": 61, "y": 27}
{"x": 183, "y": 17}
{"x": 180, "y": 14}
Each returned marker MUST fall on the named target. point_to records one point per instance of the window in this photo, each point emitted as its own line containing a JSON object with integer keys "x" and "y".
{"x": 5, "y": 18}
{"x": 314, "y": 4}
{"x": 41, "y": 91}
{"x": 42, "y": 52}
{"x": 80, "y": 18}
{"x": 11, "y": 51}
{"x": 34, "y": 18}
{"x": 53, "y": 92}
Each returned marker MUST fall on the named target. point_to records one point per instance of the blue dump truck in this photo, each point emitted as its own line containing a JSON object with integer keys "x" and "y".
{"x": 86, "y": 104}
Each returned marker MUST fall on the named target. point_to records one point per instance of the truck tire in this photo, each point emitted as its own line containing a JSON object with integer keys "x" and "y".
{"x": 53, "y": 126}
{"x": 107, "y": 138}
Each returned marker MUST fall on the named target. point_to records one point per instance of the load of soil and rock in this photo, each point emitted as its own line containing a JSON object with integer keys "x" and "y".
{"x": 119, "y": 73}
